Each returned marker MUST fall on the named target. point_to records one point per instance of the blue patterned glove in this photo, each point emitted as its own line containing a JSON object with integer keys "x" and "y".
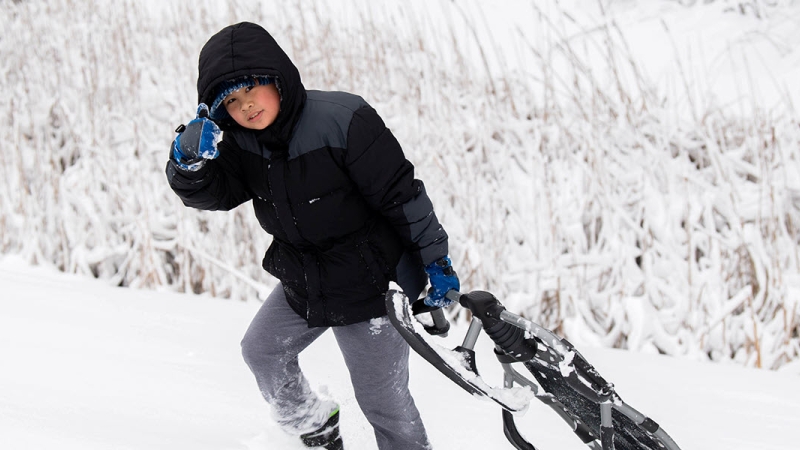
{"x": 196, "y": 142}
{"x": 443, "y": 279}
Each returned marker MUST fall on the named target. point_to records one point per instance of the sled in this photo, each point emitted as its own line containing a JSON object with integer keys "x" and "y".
{"x": 562, "y": 378}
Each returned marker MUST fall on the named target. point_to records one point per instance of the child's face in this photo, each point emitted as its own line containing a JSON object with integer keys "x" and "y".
{"x": 254, "y": 107}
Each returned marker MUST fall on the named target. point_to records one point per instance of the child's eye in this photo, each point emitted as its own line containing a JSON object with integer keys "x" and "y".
{"x": 248, "y": 88}
{"x": 230, "y": 100}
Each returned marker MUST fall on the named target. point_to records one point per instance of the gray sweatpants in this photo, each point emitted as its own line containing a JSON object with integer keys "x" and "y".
{"x": 376, "y": 357}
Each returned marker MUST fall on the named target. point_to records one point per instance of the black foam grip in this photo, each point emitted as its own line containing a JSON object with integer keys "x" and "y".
{"x": 512, "y": 340}
{"x": 649, "y": 425}
{"x": 584, "y": 433}
{"x": 607, "y": 438}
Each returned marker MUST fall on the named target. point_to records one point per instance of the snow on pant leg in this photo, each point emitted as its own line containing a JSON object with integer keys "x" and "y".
{"x": 377, "y": 358}
{"x": 270, "y": 348}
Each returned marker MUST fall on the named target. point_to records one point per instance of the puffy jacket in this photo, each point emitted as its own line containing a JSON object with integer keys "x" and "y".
{"x": 327, "y": 180}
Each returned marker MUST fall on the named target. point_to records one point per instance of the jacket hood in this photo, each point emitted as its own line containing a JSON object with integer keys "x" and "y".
{"x": 246, "y": 49}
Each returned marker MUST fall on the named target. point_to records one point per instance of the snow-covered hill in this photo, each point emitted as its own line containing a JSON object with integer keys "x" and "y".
{"x": 85, "y": 366}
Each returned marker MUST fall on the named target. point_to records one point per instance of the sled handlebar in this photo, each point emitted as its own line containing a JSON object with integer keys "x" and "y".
{"x": 497, "y": 321}
{"x": 507, "y": 331}
{"x": 478, "y": 308}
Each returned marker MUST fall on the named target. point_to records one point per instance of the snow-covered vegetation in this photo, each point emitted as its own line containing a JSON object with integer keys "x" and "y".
{"x": 617, "y": 201}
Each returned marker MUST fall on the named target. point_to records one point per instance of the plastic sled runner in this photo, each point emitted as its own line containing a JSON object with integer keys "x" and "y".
{"x": 562, "y": 378}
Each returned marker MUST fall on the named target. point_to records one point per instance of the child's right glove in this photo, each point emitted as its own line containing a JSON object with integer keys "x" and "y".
{"x": 443, "y": 279}
{"x": 196, "y": 142}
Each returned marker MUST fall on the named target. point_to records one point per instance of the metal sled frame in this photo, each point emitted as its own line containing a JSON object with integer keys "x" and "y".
{"x": 556, "y": 354}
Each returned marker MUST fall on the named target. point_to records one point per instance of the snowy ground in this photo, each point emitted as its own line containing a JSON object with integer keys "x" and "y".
{"x": 87, "y": 366}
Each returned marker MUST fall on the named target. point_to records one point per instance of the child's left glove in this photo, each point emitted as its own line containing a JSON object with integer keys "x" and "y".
{"x": 196, "y": 142}
{"x": 443, "y": 279}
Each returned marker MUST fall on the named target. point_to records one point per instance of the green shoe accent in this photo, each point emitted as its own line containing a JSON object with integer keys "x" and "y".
{"x": 327, "y": 436}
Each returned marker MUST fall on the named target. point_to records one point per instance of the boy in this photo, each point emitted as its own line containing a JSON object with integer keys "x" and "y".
{"x": 331, "y": 185}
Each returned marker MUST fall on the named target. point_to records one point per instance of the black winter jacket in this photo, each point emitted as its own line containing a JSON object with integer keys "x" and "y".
{"x": 327, "y": 180}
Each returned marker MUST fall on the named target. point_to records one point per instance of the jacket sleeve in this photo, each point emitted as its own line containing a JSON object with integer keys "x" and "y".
{"x": 385, "y": 178}
{"x": 216, "y": 186}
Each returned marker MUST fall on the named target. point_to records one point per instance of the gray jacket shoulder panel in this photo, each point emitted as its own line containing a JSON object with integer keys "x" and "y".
{"x": 324, "y": 122}
{"x": 247, "y": 141}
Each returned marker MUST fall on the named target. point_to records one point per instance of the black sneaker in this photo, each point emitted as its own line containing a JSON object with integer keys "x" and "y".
{"x": 327, "y": 436}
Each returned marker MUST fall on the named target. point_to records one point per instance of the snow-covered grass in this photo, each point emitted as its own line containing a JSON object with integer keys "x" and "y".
{"x": 86, "y": 366}
{"x": 626, "y": 172}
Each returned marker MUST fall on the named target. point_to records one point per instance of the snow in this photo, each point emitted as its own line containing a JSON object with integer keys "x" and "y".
{"x": 87, "y": 366}
{"x": 626, "y": 172}
{"x": 377, "y": 325}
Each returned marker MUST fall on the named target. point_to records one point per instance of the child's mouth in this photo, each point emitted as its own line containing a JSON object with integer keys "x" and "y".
{"x": 255, "y": 116}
